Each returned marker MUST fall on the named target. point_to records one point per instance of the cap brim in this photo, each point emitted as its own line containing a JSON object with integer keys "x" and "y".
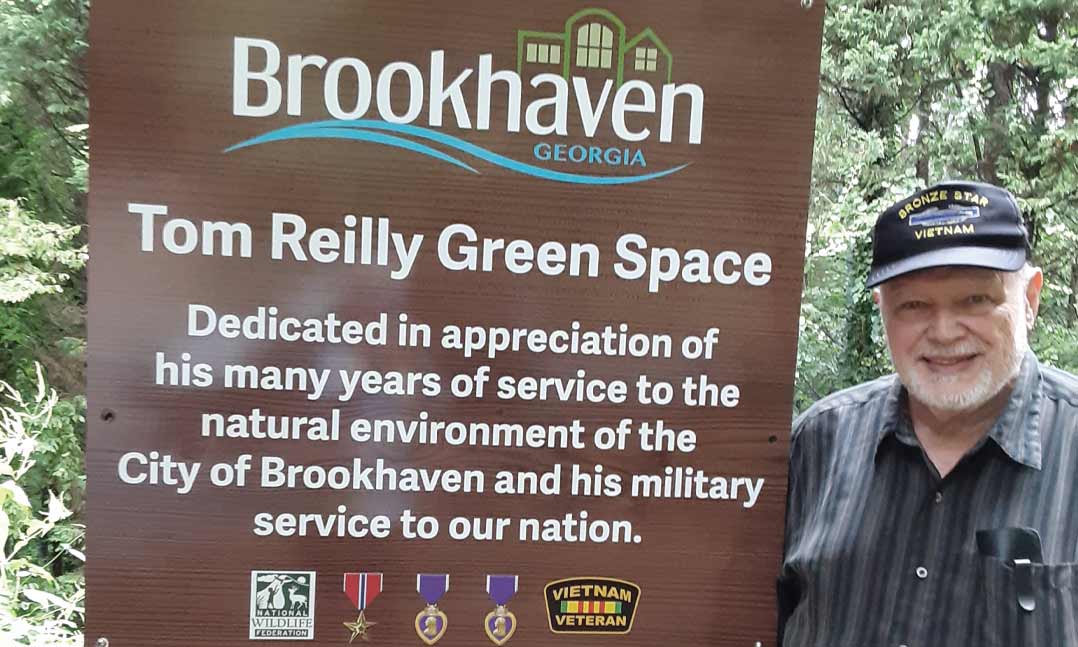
{"x": 992, "y": 258}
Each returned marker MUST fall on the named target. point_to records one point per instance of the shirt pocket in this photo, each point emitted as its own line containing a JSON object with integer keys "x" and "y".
{"x": 1054, "y": 620}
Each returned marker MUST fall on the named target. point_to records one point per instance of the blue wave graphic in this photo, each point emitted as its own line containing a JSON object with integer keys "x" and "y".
{"x": 360, "y": 130}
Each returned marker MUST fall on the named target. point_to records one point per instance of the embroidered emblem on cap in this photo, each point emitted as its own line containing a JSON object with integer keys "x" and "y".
{"x": 937, "y": 217}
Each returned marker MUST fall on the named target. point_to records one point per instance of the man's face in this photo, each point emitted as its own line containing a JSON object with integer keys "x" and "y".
{"x": 957, "y": 334}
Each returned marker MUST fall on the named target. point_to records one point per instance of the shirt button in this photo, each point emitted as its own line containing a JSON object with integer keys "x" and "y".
{"x": 922, "y": 572}
{"x": 939, "y": 499}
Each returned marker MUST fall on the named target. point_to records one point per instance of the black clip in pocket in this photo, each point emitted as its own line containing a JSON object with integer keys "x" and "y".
{"x": 1023, "y": 582}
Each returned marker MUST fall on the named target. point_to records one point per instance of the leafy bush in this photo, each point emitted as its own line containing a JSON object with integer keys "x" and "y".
{"x": 41, "y": 581}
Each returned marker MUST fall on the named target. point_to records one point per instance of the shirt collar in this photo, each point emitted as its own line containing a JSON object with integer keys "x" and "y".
{"x": 1016, "y": 431}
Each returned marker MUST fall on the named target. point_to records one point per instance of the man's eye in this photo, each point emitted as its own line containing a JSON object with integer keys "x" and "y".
{"x": 912, "y": 305}
{"x": 977, "y": 299}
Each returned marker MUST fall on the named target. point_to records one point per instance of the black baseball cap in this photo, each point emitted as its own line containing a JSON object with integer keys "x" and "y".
{"x": 952, "y": 223}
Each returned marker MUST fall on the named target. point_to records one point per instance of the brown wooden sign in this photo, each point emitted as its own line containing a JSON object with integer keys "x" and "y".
{"x": 445, "y": 322}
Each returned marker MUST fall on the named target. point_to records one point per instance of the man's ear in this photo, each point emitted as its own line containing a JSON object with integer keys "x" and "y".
{"x": 876, "y": 296}
{"x": 1033, "y": 296}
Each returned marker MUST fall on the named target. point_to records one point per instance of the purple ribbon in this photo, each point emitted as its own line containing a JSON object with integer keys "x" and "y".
{"x": 432, "y": 586}
{"x": 501, "y": 588}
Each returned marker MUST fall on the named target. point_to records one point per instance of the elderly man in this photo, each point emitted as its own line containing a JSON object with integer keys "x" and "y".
{"x": 939, "y": 506}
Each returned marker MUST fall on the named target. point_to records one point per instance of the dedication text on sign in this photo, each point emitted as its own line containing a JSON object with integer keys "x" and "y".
{"x": 443, "y": 323}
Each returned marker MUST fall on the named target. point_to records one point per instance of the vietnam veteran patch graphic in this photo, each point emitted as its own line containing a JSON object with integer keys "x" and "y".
{"x": 591, "y": 605}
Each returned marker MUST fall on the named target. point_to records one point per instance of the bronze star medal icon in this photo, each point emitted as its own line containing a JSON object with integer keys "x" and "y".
{"x": 361, "y": 589}
{"x": 359, "y": 628}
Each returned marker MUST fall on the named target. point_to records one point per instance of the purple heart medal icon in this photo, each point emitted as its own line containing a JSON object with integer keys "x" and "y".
{"x": 430, "y": 623}
{"x": 500, "y": 624}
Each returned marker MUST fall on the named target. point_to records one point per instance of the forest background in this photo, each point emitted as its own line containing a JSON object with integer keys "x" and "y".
{"x": 911, "y": 92}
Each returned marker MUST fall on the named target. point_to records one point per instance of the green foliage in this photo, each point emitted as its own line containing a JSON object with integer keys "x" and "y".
{"x": 43, "y": 163}
{"x": 41, "y": 583}
{"x": 37, "y": 261}
{"x": 917, "y": 91}
{"x": 43, "y": 106}
{"x": 35, "y": 257}
{"x": 43, "y": 170}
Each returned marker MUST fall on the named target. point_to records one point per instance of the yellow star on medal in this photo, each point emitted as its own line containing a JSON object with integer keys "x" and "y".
{"x": 359, "y": 628}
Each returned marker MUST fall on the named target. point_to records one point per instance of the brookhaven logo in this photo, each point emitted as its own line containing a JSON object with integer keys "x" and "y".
{"x": 546, "y": 96}
{"x": 591, "y": 605}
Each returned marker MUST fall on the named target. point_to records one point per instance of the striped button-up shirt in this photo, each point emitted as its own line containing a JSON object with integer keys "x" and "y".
{"x": 881, "y": 551}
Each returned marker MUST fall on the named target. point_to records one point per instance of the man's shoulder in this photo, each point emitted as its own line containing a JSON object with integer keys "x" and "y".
{"x": 850, "y": 404}
{"x": 1060, "y": 385}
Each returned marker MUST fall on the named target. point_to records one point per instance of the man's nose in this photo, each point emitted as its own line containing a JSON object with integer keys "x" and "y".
{"x": 945, "y": 327}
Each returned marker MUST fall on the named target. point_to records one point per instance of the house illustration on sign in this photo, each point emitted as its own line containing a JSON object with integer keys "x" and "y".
{"x": 594, "y": 40}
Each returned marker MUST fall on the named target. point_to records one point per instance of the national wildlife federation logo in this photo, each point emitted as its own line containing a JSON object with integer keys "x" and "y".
{"x": 591, "y": 605}
{"x": 282, "y": 605}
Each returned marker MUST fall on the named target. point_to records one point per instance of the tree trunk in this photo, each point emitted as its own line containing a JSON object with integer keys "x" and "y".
{"x": 1072, "y": 300}
{"x": 1001, "y": 82}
